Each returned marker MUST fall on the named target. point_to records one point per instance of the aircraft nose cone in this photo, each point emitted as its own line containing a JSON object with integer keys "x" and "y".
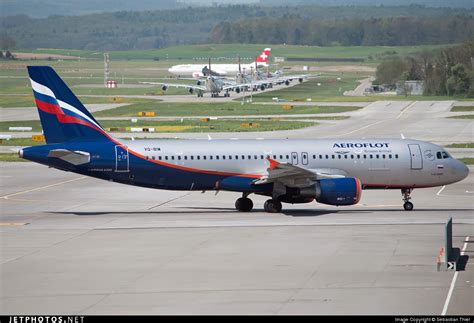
{"x": 463, "y": 170}
{"x": 20, "y": 153}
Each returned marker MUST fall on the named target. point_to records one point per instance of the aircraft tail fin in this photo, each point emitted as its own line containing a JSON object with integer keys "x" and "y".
{"x": 263, "y": 57}
{"x": 63, "y": 117}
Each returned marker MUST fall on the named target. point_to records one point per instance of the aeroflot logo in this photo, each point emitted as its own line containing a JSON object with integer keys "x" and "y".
{"x": 361, "y": 145}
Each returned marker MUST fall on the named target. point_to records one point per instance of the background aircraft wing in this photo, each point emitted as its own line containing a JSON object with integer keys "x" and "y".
{"x": 295, "y": 176}
{"x": 178, "y": 85}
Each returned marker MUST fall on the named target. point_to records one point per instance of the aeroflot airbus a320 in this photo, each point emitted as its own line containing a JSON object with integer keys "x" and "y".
{"x": 330, "y": 171}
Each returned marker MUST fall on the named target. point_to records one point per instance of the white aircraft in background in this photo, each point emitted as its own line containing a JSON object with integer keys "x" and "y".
{"x": 201, "y": 70}
{"x": 211, "y": 84}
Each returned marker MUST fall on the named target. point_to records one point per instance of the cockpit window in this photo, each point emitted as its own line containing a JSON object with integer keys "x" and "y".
{"x": 445, "y": 155}
{"x": 438, "y": 155}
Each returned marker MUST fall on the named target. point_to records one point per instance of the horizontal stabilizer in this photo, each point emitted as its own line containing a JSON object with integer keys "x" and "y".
{"x": 73, "y": 157}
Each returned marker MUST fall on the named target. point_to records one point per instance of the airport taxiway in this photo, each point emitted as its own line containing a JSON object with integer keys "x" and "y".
{"x": 76, "y": 245}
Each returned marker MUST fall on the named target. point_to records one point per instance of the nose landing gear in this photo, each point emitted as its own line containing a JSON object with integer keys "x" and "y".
{"x": 408, "y": 206}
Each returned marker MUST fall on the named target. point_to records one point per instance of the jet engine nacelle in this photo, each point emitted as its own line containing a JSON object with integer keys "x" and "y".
{"x": 164, "y": 88}
{"x": 338, "y": 191}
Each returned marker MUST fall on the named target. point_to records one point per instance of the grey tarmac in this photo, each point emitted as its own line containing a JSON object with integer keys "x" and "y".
{"x": 77, "y": 245}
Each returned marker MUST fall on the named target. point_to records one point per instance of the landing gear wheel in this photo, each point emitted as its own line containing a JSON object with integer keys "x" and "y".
{"x": 272, "y": 206}
{"x": 406, "y": 192}
{"x": 408, "y": 206}
{"x": 244, "y": 204}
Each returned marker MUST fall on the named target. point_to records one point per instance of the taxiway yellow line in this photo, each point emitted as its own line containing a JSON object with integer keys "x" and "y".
{"x": 6, "y": 197}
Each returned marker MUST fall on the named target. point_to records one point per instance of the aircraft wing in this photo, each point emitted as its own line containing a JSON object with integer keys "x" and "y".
{"x": 76, "y": 157}
{"x": 295, "y": 176}
{"x": 178, "y": 85}
{"x": 290, "y": 78}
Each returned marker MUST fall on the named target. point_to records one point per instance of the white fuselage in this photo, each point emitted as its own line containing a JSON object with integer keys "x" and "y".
{"x": 221, "y": 69}
{"x": 377, "y": 163}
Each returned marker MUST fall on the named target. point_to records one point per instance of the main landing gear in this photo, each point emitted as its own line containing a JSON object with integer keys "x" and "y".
{"x": 408, "y": 206}
{"x": 244, "y": 204}
{"x": 272, "y": 206}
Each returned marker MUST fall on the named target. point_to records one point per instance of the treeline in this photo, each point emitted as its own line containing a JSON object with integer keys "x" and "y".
{"x": 125, "y": 30}
{"x": 392, "y": 31}
{"x": 449, "y": 71}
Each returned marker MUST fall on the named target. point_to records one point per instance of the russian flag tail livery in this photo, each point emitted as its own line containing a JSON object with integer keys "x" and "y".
{"x": 62, "y": 115}
{"x": 263, "y": 57}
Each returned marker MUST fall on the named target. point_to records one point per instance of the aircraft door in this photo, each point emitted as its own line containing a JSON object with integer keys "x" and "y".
{"x": 304, "y": 158}
{"x": 415, "y": 156}
{"x": 294, "y": 158}
{"x": 121, "y": 159}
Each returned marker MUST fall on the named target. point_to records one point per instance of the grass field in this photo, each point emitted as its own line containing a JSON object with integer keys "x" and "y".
{"x": 234, "y": 125}
{"x": 464, "y": 116}
{"x": 461, "y": 145}
{"x": 23, "y": 142}
{"x": 11, "y": 157}
{"x": 246, "y": 51}
{"x": 162, "y": 109}
{"x": 467, "y": 160}
{"x": 462, "y": 109}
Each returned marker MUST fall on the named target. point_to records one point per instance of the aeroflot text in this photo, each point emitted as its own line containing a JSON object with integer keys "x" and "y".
{"x": 361, "y": 145}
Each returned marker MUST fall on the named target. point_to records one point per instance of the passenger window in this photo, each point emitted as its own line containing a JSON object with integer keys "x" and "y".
{"x": 390, "y": 156}
{"x": 198, "y": 157}
{"x": 314, "y": 156}
{"x": 327, "y": 156}
{"x": 287, "y": 157}
{"x": 204, "y": 157}
{"x": 333, "y": 157}
{"x": 345, "y": 156}
{"x": 320, "y": 156}
{"x": 166, "y": 157}
{"x": 352, "y": 156}
{"x": 377, "y": 156}
{"x": 172, "y": 157}
{"x": 371, "y": 156}
{"x": 261, "y": 156}
{"x": 255, "y": 157}
{"x": 396, "y": 156}
{"x": 339, "y": 156}
{"x": 230, "y": 156}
